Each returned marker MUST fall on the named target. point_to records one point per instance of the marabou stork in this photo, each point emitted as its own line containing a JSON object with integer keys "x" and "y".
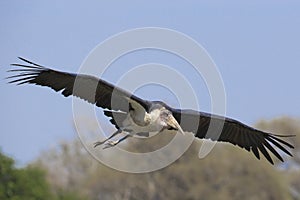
{"x": 135, "y": 116}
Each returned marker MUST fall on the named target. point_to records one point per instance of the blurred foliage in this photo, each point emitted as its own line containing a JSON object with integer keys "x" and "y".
{"x": 284, "y": 125}
{"x": 228, "y": 172}
{"x": 25, "y": 183}
{"x": 291, "y": 169}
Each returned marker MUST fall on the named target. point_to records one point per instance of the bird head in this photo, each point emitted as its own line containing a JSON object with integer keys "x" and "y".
{"x": 168, "y": 120}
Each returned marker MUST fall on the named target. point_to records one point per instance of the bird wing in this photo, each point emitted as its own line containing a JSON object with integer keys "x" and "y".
{"x": 217, "y": 128}
{"x": 89, "y": 88}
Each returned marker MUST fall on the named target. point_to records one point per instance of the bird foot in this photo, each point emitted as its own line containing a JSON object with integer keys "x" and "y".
{"x": 110, "y": 143}
{"x": 98, "y": 143}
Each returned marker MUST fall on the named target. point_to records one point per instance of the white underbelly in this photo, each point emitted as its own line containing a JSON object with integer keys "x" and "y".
{"x": 129, "y": 124}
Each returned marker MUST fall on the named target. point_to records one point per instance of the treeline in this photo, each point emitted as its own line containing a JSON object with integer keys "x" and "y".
{"x": 69, "y": 172}
{"x": 27, "y": 183}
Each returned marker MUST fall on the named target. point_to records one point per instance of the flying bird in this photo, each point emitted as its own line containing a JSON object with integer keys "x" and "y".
{"x": 135, "y": 116}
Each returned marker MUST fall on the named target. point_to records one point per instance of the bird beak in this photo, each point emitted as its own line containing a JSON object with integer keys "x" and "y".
{"x": 174, "y": 124}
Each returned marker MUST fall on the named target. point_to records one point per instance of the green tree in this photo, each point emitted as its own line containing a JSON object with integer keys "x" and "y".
{"x": 25, "y": 183}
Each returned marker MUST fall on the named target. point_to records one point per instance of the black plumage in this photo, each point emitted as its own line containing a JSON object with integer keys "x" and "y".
{"x": 118, "y": 103}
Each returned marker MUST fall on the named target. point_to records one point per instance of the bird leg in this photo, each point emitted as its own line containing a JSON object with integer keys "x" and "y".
{"x": 113, "y": 135}
{"x": 114, "y": 143}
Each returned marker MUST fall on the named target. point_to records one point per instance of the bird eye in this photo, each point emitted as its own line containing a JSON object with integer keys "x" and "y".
{"x": 164, "y": 114}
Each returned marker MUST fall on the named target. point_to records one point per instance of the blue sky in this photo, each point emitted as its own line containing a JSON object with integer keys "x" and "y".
{"x": 255, "y": 45}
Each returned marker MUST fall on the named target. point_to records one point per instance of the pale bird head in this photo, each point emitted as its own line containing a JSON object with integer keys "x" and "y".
{"x": 168, "y": 120}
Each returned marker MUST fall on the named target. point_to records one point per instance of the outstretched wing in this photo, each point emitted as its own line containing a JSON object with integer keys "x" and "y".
{"x": 89, "y": 88}
{"x": 217, "y": 128}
